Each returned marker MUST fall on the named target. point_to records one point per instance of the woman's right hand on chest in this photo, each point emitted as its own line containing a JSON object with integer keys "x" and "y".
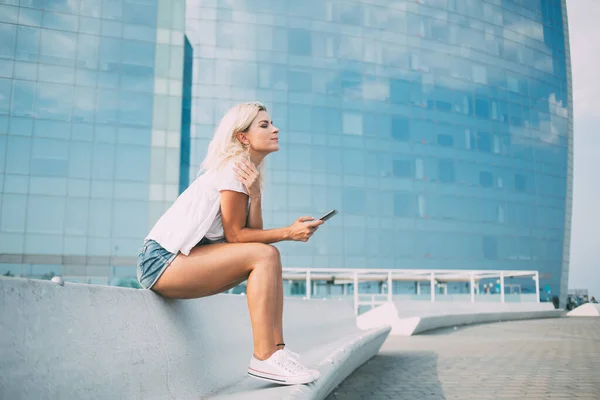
{"x": 303, "y": 228}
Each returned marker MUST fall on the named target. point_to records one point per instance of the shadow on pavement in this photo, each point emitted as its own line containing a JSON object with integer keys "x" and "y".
{"x": 406, "y": 375}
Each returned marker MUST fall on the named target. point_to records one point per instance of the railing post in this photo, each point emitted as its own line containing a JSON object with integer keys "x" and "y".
{"x": 537, "y": 286}
{"x": 432, "y": 284}
{"x": 356, "y": 293}
{"x": 308, "y": 284}
{"x": 390, "y": 286}
{"x": 472, "y": 287}
{"x": 501, "y": 286}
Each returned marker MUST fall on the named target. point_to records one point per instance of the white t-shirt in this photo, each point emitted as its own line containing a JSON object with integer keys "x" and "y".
{"x": 196, "y": 213}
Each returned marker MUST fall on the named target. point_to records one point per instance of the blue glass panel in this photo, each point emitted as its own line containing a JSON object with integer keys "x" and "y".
{"x": 137, "y": 13}
{"x": 28, "y": 43}
{"x": 58, "y": 47}
{"x": 87, "y": 51}
{"x": 446, "y": 171}
{"x": 18, "y": 154}
{"x": 110, "y": 54}
{"x": 91, "y": 8}
{"x": 403, "y": 168}
{"x": 107, "y": 103}
{"x": 130, "y": 219}
{"x": 53, "y": 101}
{"x": 6, "y": 68}
{"x": 49, "y": 157}
{"x": 135, "y": 108}
{"x": 100, "y": 219}
{"x": 5, "y": 89}
{"x": 445, "y": 140}
{"x": 401, "y": 129}
{"x": 80, "y": 160}
{"x": 353, "y": 200}
{"x": 486, "y": 179}
{"x": 520, "y": 183}
{"x": 8, "y": 36}
{"x": 65, "y": 6}
{"x": 132, "y": 163}
{"x": 2, "y": 154}
{"x": 90, "y": 25}
{"x": 63, "y": 22}
{"x": 404, "y": 204}
{"x": 299, "y": 41}
{"x": 9, "y": 14}
{"x": 14, "y": 209}
{"x": 112, "y": 9}
{"x": 103, "y": 161}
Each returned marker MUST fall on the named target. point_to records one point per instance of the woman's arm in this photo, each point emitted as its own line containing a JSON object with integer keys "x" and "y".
{"x": 233, "y": 211}
{"x": 254, "y": 220}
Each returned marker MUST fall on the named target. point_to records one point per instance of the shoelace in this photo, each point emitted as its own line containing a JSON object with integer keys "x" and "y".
{"x": 294, "y": 359}
{"x": 289, "y": 364}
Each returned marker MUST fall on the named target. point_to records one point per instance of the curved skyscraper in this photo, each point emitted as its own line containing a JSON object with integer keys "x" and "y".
{"x": 441, "y": 129}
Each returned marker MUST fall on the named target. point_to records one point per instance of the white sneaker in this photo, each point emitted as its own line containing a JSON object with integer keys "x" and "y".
{"x": 279, "y": 369}
{"x": 295, "y": 358}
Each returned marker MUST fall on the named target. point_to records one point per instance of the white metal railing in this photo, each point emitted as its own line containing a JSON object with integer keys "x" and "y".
{"x": 389, "y": 276}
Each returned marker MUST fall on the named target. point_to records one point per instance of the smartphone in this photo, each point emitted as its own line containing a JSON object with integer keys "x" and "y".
{"x": 328, "y": 215}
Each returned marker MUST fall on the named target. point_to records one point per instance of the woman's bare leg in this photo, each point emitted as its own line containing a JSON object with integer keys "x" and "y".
{"x": 212, "y": 269}
{"x": 278, "y": 324}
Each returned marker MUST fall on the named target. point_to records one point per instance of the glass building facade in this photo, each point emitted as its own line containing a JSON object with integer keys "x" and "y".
{"x": 440, "y": 129}
{"x": 90, "y": 132}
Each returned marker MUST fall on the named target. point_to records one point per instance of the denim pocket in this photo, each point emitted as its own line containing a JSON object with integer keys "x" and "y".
{"x": 142, "y": 257}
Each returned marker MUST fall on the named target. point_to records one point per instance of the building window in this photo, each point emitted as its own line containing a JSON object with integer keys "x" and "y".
{"x": 479, "y": 74}
{"x": 402, "y": 168}
{"x": 486, "y": 179}
{"x": 421, "y": 205}
{"x": 500, "y": 183}
{"x": 403, "y": 204}
{"x": 490, "y": 247}
{"x": 446, "y": 171}
{"x": 353, "y": 123}
{"x": 469, "y": 140}
{"x": 419, "y": 169}
{"x": 496, "y": 144}
{"x": 445, "y": 140}
{"x": 520, "y": 183}
{"x": 484, "y": 142}
{"x": 501, "y": 216}
{"x": 299, "y": 42}
{"x": 401, "y": 129}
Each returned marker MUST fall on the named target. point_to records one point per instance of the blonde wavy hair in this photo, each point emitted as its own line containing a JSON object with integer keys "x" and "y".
{"x": 225, "y": 145}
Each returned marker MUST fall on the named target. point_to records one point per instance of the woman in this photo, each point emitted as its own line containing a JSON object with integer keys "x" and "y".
{"x": 212, "y": 239}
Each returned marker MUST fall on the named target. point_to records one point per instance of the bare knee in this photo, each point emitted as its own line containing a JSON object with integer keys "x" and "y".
{"x": 268, "y": 256}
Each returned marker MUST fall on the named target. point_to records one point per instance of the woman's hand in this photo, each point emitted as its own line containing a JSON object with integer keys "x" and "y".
{"x": 303, "y": 228}
{"x": 249, "y": 176}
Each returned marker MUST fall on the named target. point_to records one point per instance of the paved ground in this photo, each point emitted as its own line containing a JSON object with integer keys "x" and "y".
{"x": 555, "y": 358}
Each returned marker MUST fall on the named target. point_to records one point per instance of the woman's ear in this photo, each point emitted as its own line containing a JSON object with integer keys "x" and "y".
{"x": 243, "y": 139}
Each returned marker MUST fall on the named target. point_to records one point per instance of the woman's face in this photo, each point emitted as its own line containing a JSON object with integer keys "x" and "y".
{"x": 262, "y": 135}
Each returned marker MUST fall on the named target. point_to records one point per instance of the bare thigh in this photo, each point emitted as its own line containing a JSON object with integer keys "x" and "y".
{"x": 212, "y": 269}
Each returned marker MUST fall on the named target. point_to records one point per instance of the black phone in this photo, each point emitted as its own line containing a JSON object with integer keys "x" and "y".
{"x": 328, "y": 215}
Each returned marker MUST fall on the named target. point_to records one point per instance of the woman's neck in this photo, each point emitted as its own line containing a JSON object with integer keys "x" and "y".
{"x": 256, "y": 158}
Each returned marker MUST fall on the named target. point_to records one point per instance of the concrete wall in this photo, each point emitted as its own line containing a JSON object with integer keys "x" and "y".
{"x": 82, "y": 341}
{"x": 423, "y": 317}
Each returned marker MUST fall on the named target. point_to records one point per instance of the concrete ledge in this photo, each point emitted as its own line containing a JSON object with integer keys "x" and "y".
{"x": 337, "y": 361}
{"x": 387, "y": 314}
{"x": 585, "y": 310}
{"x": 81, "y": 341}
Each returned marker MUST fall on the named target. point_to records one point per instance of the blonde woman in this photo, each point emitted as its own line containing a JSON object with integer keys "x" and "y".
{"x": 212, "y": 239}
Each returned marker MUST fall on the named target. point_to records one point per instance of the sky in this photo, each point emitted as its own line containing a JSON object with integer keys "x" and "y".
{"x": 584, "y": 32}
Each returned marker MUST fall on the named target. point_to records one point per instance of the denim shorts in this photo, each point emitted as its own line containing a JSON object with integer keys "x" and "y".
{"x": 153, "y": 260}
